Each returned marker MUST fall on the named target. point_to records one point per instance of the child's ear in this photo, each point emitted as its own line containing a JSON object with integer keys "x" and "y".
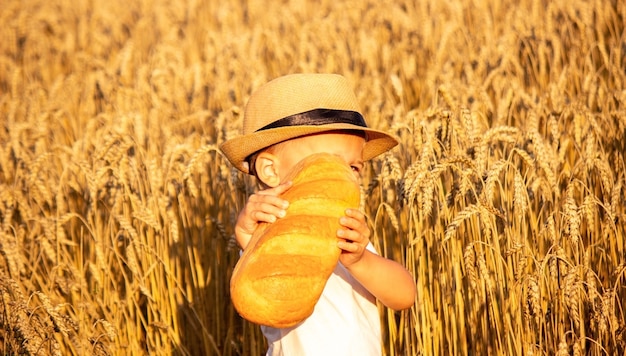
{"x": 266, "y": 167}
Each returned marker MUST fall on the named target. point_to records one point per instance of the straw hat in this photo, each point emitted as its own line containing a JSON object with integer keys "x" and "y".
{"x": 296, "y": 105}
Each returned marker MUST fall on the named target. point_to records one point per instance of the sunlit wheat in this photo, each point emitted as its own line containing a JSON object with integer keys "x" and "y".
{"x": 504, "y": 198}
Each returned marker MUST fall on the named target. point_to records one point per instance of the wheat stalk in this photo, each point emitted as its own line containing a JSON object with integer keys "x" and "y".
{"x": 572, "y": 216}
{"x": 572, "y": 295}
{"x": 510, "y": 123}
{"x": 469, "y": 259}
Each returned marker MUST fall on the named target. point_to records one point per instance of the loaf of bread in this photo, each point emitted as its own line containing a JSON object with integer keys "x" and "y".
{"x": 283, "y": 270}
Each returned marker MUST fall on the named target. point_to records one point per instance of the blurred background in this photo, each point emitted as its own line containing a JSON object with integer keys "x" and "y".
{"x": 505, "y": 198}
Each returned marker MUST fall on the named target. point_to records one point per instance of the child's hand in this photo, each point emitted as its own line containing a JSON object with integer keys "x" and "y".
{"x": 376, "y": 273}
{"x": 264, "y": 206}
{"x": 354, "y": 237}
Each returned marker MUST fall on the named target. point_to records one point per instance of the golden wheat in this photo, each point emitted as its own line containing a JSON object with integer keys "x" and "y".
{"x": 504, "y": 197}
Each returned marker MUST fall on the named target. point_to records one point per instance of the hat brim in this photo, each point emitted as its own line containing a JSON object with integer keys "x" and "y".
{"x": 239, "y": 148}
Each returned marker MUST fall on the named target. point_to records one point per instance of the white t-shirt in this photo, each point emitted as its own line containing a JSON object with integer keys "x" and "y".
{"x": 345, "y": 322}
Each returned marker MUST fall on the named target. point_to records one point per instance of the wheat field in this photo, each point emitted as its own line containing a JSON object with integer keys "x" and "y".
{"x": 505, "y": 198}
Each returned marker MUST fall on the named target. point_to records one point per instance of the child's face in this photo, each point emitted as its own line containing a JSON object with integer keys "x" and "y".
{"x": 348, "y": 146}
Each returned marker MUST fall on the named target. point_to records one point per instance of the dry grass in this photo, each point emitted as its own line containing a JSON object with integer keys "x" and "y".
{"x": 505, "y": 198}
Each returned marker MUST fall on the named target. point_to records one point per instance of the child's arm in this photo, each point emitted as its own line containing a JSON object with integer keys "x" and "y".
{"x": 386, "y": 279}
{"x": 264, "y": 206}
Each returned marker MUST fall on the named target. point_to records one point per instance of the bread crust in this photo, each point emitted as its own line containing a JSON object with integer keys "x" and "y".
{"x": 282, "y": 272}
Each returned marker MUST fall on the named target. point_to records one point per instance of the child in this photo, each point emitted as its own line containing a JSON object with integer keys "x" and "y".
{"x": 286, "y": 120}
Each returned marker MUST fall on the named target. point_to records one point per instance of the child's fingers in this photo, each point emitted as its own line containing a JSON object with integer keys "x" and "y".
{"x": 261, "y": 216}
{"x": 277, "y": 190}
{"x": 348, "y": 246}
{"x": 263, "y": 202}
{"x": 355, "y": 213}
{"x": 355, "y": 220}
{"x": 353, "y": 236}
{"x": 265, "y": 208}
{"x": 350, "y": 236}
{"x": 269, "y": 198}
